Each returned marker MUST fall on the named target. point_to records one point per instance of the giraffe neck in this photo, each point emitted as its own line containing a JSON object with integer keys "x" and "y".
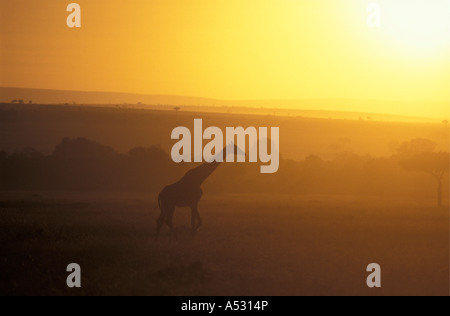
{"x": 198, "y": 175}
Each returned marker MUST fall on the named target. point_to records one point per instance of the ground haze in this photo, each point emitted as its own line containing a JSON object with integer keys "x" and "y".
{"x": 250, "y": 245}
{"x": 343, "y": 199}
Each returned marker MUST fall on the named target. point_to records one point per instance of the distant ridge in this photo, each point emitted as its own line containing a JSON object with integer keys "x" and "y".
{"x": 44, "y": 96}
{"x": 314, "y": 108}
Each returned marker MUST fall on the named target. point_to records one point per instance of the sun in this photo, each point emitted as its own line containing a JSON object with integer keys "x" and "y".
{"x": 418, "y": 25}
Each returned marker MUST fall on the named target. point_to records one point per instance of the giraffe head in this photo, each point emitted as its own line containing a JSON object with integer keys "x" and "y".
{"x": 238, "y": 151}
{"x": 232, "y": 148}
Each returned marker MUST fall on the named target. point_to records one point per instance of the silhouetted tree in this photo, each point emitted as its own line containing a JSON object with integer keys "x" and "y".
{"x": 23, "y": 170}
{"x": 177, "y": 108}
{"x": 435, "y": 164}
{"x": 145, "y": 167}
{"x": 416, "y": 146}
{"x": 83, "y": 164}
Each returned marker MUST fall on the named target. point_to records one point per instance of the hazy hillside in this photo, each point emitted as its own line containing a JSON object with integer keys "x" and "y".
{"x": 43, "y": 126}
{"x": 43, "y": 96}
{"x": 315, "y": 108}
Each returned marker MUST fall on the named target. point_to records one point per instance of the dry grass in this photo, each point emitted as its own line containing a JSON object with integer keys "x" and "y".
{"x": 249, "y": 245}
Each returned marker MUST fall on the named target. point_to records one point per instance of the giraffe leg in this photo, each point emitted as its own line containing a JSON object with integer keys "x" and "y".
{"x": 193, "y": 218}
{"x": 199, "y": 219}
{"x": 169, "y": 220}
{"x": 159, "y": 224}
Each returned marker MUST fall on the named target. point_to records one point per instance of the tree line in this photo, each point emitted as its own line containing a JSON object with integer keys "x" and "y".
{"x": 416, "y": 170}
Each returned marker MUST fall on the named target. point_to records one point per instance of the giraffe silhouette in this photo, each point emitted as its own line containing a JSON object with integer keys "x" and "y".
{"x": 187, "y": 192}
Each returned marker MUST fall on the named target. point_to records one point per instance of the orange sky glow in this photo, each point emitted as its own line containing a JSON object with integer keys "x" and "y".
{"x": 234, "y": 49}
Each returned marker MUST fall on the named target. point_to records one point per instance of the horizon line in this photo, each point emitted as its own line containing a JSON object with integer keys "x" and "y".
{"x": 234, "y": 100}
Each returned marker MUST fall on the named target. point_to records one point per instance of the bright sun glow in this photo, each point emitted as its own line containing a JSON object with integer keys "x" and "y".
{"x": 238, "y": 50}
{"x": 421, "y": 25}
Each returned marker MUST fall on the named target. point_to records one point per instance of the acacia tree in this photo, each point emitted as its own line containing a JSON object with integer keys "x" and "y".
{"x": 435, "y": 164}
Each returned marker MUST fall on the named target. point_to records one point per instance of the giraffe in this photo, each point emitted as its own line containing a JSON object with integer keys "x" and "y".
{"x": 187, "y": 193}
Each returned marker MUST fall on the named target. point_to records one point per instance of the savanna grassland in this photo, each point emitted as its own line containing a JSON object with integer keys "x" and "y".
{"x": 348, "y": 193}
{"x": 249, "y": 245}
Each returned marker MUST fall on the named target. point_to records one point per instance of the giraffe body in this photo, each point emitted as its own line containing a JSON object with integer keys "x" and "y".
{"x": 186, "y": 193}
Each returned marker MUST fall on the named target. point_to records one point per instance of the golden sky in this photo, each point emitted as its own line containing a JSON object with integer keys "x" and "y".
{"x": 233, "y": 49}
